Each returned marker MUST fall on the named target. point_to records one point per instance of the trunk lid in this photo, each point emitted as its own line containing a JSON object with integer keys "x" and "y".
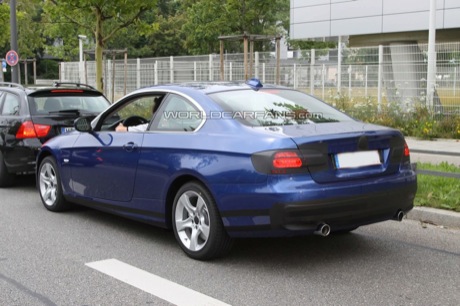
{"x": 335, "y": 152}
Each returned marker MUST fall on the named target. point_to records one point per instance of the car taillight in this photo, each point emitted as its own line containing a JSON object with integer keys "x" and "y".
{"x": 406, "y": 150}
{"x": 30, "y": 130}
{"x": 287, "y": 159}
{"x": 279, "y": 162}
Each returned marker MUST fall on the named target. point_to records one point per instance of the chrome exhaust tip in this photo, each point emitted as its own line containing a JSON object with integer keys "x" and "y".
{"x": 399, "y": 216}
{"x": 323, "y": 230}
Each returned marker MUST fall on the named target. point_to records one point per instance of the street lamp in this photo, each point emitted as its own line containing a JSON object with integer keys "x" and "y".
{"x": 80, "y": 38}
{"x": 81, "y": 67}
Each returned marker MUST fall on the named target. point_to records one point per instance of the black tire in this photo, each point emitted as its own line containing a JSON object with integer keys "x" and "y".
{"x": 6, "y": 178}
{"x": 50, "y": 186}
{"x": 202, "y": 235}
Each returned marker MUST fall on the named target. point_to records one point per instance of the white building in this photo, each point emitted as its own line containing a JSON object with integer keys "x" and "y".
{"x": 399, "y": 26}
{"x": 374, "y": 21}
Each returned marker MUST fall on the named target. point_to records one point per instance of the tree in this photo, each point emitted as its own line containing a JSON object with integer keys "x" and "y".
{"x": 97, "y": 18}
{"x": 29, "y": 35}
{"x": 206, "y": 20}
{"x": 312, "y": 44}
{"x": 162, "y": 35}
{"x": 30, "y": 31}
{"x": 4, "y": 25}
{"x": 29, "y": 39}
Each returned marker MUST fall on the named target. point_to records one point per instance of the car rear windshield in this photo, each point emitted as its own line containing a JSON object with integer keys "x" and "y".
{"x": 60, "y": 103}
{"x": 271, "y": 107}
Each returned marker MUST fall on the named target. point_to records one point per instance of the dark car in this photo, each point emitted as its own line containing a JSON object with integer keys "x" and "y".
{"x": 226, "y": 160}
{"x": 31, "y": 116}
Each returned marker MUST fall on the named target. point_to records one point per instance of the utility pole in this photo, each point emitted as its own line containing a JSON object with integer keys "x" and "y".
{"x": 431, "y": 71}
{"x": 14, "y": 40}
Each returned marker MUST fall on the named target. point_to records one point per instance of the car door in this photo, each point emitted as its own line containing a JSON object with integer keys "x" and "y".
{"x": 104, "y": 165}
{"x": 14, "y": 151}
{"x": 2, "y": 121}
{"x": 164, "y": 148}
{"x": 104, "y": 162}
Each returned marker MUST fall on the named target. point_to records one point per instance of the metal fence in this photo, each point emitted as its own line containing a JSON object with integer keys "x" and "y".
{"x": 384, "y": 74}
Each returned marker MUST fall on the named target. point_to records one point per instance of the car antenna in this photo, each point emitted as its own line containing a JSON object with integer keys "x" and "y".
{"x": 254, "y": 83}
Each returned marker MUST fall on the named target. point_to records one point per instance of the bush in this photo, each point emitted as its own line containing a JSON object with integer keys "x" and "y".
{"x": 48, "y": 69}
{"x": 418, "y": 122}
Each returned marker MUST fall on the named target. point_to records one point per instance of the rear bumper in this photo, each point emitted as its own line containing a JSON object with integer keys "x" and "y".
{"x": 21, "y": 159}
{"x": 341, "y": 213}
{"x": 303, "y": 216}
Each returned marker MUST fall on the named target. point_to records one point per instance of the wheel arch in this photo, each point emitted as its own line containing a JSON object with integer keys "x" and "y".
{"x": 174, "y": 187}
{"x": 40, "y": 157}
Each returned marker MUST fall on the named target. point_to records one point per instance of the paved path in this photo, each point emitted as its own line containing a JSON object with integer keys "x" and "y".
{"x": 434, "y": 151}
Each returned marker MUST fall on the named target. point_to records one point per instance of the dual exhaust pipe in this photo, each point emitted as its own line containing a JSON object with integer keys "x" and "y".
{"x": 324, "y": 229}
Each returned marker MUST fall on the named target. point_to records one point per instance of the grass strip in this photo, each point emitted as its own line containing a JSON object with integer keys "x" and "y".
{"x": 438, "y": 191}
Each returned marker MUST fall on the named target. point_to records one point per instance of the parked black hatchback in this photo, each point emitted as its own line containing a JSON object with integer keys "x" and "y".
{"x": 31, "y": 116}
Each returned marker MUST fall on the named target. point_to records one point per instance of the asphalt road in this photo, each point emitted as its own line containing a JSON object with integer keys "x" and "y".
{"x": 48, "y": 259}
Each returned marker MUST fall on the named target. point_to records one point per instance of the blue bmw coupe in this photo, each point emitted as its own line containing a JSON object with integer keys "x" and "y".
{"x": 217, "y": 161}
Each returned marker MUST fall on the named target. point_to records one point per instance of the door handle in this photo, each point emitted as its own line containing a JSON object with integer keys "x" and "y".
{"x": 130, "y": 146}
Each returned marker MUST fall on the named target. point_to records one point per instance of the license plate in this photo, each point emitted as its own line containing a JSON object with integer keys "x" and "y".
{"x": 357, "y": 159}
{"x": 66, "y": 129}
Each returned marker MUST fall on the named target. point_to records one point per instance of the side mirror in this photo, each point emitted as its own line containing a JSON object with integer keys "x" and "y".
{"x": 82, "y": 124}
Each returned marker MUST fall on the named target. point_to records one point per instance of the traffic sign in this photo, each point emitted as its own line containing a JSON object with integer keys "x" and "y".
{"x": 12, "y": 58}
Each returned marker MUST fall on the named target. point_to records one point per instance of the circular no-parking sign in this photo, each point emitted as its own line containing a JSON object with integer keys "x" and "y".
{"x": 12, "y": 58}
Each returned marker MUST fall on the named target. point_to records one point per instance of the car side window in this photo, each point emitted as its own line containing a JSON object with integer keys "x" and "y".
{"x": 177, "y": 114}
{"x": 140, "y": 108}
{"x": 10, "y": 105}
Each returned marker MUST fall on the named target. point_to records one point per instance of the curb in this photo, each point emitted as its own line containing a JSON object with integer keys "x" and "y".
{"x": 435, "y": 216}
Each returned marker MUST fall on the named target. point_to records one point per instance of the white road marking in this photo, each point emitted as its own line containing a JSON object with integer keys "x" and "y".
{"x": 153, "y": 284}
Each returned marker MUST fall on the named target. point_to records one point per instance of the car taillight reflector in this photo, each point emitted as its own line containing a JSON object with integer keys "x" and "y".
{"x": 30, "y": 130}
{"x": 406, "y": 150}
{"x": 282, "y": 160}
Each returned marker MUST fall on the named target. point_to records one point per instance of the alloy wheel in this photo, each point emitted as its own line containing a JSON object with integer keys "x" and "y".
{"x": 192, "y": 220}
{"x": 48, "y": 184}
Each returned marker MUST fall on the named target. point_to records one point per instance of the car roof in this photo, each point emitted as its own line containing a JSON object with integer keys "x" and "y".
{"x": 213, "y": 87}
{"x": 62, "y": 85}
{"x": 30, "y": 90}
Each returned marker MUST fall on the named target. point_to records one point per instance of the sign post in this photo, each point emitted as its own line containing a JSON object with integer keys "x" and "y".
{"x": 14, "y": 39}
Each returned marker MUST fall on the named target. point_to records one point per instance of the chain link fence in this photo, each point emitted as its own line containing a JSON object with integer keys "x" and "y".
{"x": 385, "y": 74}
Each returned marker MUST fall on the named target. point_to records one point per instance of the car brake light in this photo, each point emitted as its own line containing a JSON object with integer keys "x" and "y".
{"x": 406, "y": 150}
{"x": 30, "y": 130}
{"x": 66, "y": 90}
{"x": 287, "y": 159}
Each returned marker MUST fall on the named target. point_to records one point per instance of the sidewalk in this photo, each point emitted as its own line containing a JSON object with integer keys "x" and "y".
{"x": 439, "y": 217}
{"x": 435, "y": 152}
